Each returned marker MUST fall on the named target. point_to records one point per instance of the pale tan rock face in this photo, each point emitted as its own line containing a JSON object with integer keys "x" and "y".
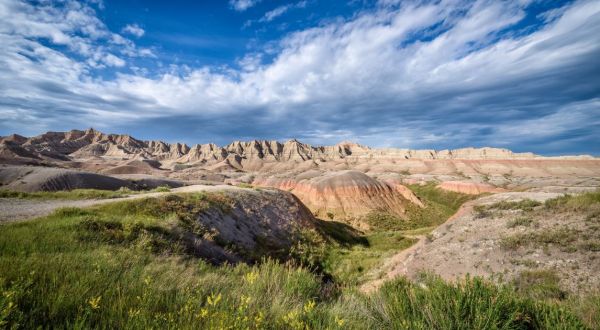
{"x": 289, "y": 158}
{"x": 470, "y": 188}
{"x": 71, "y": 142}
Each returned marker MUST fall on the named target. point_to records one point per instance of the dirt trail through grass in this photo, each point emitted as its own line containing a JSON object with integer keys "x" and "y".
{"x": 396, "y": 265}
{"x": 15, "y": 209}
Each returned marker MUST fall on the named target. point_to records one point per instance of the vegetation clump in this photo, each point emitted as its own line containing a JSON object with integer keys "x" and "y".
{"x": 539, "y": 284}
{"x": 562, "y": 236}
{"x": 77, "y": 194}
{"x": 67, "y": 194}
{"x": 520, "y": 221}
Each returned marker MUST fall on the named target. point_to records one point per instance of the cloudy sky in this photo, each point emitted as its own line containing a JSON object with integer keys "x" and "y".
{"x": 521, "y": 74}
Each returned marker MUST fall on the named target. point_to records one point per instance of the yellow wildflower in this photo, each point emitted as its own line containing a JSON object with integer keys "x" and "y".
{"x": 213, "y": 300}
{"x": 251, "y": 277}
{"x": 245, "y": 300}
{"x": 309, "y": 306}
{"x": 134, "y": 312}
{"x": 203, "y": 313}
{"x": 95, "y": 302}
{"x": 258, "y": 318}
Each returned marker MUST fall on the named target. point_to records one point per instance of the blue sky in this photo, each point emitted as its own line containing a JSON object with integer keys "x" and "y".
{"x": 521, "y": 74}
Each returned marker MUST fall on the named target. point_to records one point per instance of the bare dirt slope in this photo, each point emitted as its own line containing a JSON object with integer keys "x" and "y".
{"x": 503, "y": 243}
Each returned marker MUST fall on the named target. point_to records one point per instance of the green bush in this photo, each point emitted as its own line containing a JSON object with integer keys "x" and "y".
{"x": 539, "y": 284}
{"x": 162, "y": 189}
{"x": 520, "y": 221}
{"x": 562, "y": 236}
{"x": 525, "y": 205}
{"x": 574, "y": 202}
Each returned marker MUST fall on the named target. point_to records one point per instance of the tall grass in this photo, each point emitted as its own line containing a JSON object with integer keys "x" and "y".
{"x": 77, "y": 194}
{"x": 67, "y": 194}
{"x": 467, "y": 304}
{"x": 101, "y": 268}
{"x": 390, "y": 233}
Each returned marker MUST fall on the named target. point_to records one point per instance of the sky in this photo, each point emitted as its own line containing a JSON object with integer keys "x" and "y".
{"x": 523, "y": 74}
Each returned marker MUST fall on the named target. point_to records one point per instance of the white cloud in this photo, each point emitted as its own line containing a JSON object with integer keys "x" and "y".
{"x": 133, "y": 29}
{"x": 112, "y": 60}
{"x": 272, "y": 14}
{"x": 242, "y": 5}
{"x": 373, "y": 78}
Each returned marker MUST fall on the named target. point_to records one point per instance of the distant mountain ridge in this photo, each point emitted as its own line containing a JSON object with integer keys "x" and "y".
{"x": 78, "y": 144}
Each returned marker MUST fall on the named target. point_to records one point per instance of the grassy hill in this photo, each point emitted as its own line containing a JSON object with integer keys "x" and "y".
{"x": 125, "y": 265}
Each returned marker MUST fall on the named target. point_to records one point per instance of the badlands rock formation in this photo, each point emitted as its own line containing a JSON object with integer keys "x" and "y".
{"x": 470, "y": 188}
{"x": 344, "y": 194}
{"x": 77, "y": 145}
{"x": 346, "y": 179}
{"x": 266, "y": 221}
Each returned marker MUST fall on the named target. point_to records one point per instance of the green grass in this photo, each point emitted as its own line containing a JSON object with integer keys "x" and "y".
{"x": 568, "y": 239}
{"x": 439, "y": 206}
{"x": 525, "y": 205}
{"x": 350, "y": 259}
{"x": 67, "y": 194}
{"x": 593, "y": 245}
{"x": 123, "y": 265}
{"x": 468, "y": 304}
{"x": 520, "y": 221}
{"x": 562, "y": 237}
{"x": 588, "y": 202}
{"x": 539, "y": 284}
{"x": 162, "y": 189}
{"x": 77, "y": 194}
{"x": 350, "y": 264}
{"x": 582, "y": 202}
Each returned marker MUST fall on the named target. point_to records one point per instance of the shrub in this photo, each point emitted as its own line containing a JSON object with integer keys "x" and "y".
{"x": 245, "y": 185}
{"x": 525, "y": 205}
{"x": 482, "y": 211}
{"x": 561, "y": 236}
{"x": 593, "y": 246}
{"x": 162, "y": 189}
{"x": 539, "y": 284}
{"x": 574, "y": 202}
{"x": 520, "y": 221}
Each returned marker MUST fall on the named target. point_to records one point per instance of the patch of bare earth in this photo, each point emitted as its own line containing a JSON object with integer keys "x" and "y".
{"x": 500, "y": 241}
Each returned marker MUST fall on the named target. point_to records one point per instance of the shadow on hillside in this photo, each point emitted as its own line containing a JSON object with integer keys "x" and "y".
{"x": 342, "y": 233}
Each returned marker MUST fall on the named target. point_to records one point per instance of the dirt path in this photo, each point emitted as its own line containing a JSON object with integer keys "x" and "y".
{"x": 402, "y": 262}
{"x": 396, "y": 264}
{"x": 14, "y": 209}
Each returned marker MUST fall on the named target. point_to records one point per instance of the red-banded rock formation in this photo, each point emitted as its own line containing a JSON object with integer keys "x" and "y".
{"x": 345, "y": 194}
